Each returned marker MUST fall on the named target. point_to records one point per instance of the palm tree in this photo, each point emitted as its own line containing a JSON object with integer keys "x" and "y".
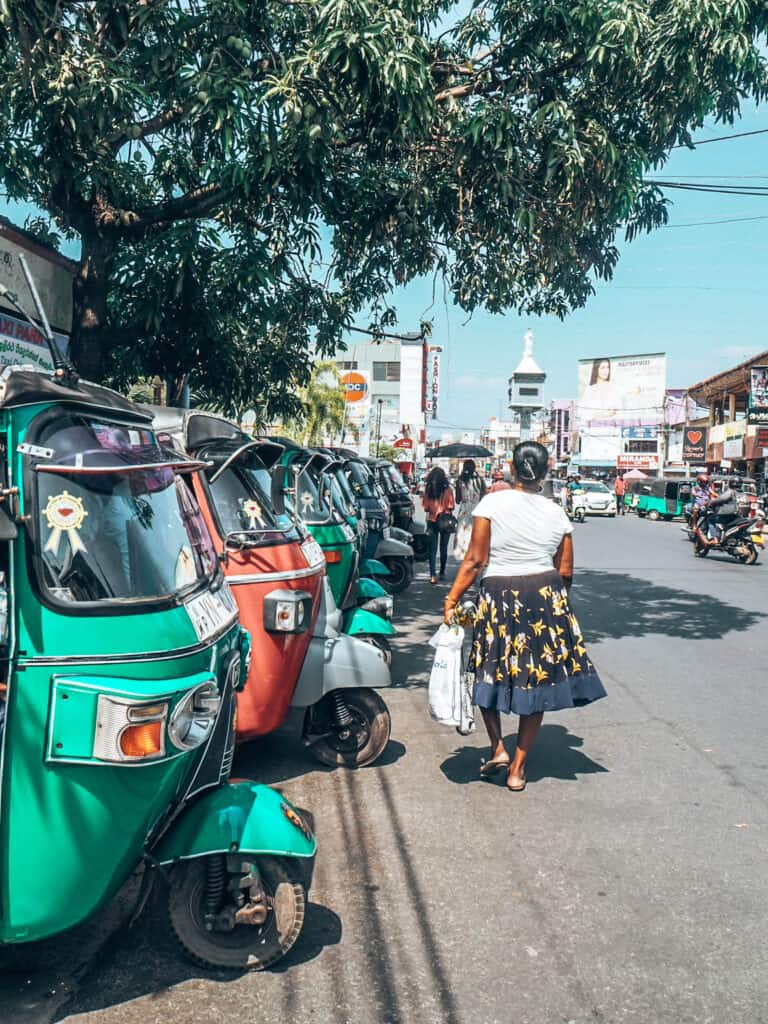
{"x": 323, "y": 401}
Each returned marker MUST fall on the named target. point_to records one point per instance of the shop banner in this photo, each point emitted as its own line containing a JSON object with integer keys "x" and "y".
{"x": 21, "y": 344}
{"x": 434, "y": 382}
{"x": 639, "y": 433}
{"x": 637, "y": 461}
{"x": 758, "y": 395}
{"x": 695, "y": 444}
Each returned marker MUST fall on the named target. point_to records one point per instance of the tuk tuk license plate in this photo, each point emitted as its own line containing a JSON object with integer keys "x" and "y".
{"x": 210, "y": 613}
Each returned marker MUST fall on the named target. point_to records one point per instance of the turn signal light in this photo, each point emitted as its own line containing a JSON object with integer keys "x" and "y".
{"x": 333, "y": 556}
{"x": 142, "y": 740}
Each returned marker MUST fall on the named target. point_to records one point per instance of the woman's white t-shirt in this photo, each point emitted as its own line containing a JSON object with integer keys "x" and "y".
{"x": 526, "y": 531}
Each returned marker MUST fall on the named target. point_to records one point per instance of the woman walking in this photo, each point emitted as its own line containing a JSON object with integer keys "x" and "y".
{"x": 438, "y": 502}
{"x": 470, "y": 488}
{"x": 528, "y": 651}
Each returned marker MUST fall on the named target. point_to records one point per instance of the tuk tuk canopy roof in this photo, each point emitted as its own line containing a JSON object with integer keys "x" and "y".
{"x": 19, "y": 387}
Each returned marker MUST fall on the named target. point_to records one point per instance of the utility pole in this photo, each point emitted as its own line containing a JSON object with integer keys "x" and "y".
{"x": 380, "y": 402}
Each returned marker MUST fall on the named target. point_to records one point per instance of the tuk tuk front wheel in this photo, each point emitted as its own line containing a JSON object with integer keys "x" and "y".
{"x": 211, "y": 936}
{"x": 352, "y": 740}
{"x": 654, "y": 515}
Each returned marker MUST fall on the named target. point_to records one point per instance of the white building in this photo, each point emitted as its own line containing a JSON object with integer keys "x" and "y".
{"x": 500, "y": 437}
{"x": 395, "y": 371}
{"x": 526, "y": 388}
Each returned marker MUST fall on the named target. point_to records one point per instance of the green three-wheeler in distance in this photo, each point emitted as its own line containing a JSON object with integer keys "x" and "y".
{"x": 121, "y": 652}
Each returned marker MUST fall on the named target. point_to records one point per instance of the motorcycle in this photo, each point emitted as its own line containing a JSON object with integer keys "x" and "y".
{"x": 741, "y": 539}
{"x": 576, "y": 506}
{"x": 121, "y": 659}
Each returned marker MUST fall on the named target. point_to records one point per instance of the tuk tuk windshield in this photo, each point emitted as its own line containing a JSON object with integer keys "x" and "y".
{"x": 312, "y": 492}
{"x": 360, "y": 479}
{"x": 242, "y": 501}
{"x": 392, "y": 480}
{"x": 112, "y": 524}
{"x": 343, "y": 495}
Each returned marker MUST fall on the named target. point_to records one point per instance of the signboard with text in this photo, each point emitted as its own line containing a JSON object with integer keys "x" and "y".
{"x": 637, "y": 461}
{"x": 695, "y": 444}
{"x": 434, "y": 382}
{"x": 758, "y": 395}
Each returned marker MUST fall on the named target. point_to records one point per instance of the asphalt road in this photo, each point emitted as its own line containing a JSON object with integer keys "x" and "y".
{"x": 627, "y": 884}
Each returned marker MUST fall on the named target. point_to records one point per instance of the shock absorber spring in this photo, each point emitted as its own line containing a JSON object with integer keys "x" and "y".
{"x": 215, "y": 881}
{"x": 341, "y": 713}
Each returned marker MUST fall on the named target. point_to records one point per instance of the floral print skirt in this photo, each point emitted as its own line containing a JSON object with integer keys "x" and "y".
{"x": 528, "y": 653}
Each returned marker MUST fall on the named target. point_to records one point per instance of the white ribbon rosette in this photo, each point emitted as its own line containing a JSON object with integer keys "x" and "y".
{"x": 65, "y": 515}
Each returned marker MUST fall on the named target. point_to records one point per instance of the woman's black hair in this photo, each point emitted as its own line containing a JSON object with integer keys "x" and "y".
{"x": 437, "y": 483}
{"x": 530, "y": 460}
{"x": 596, "y": 366}
{"x": 468, "y": 469}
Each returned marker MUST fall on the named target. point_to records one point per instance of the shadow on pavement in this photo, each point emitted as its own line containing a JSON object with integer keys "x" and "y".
{"x": 282, "y": 757}
{"x": 146, "y": 959}
{"x": 614, "y": 605}
{"x": 555, "y": 756}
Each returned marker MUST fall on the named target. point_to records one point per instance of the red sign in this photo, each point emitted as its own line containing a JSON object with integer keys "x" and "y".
{"x": 637, "y": 461}
{"x": 403, "y": 442}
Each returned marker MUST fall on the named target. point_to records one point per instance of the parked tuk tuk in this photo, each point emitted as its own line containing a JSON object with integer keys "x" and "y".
{"x": 664, "y": 498}
{"x": 277, "y": 573}
{"x": 121, "y": 657}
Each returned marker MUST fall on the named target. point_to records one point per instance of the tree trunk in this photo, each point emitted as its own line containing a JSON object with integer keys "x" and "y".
{"x": 90, "y": 288}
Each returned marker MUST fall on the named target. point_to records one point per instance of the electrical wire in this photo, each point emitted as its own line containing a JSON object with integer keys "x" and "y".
{"x": 721, "y": 138}
{"x": 725, "y": 220}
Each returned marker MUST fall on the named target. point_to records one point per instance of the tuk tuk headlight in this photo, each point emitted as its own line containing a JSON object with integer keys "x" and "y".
{"x": 194, "y": 716}
{"x": 129, "y": 731}
{"x": 287, "y": 611}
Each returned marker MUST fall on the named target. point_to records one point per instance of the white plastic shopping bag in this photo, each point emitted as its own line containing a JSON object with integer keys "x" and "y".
{"x": 445, "y": 678}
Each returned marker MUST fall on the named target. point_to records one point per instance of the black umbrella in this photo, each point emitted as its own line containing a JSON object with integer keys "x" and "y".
{"x": 459, "y": 451}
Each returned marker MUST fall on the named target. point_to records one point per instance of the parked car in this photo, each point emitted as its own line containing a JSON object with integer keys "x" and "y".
{"x": 600, "y": 500}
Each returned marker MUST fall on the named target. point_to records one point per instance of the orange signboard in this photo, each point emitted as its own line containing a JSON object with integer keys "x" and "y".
{"x": 355, "y": 386}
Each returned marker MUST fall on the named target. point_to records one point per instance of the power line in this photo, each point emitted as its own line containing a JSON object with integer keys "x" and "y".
{"x": 723, "y": 190}
{"x": 725, "y": 220}
{"x": 720, "y": 138}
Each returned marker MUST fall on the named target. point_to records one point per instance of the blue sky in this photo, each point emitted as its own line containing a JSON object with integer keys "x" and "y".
{"x": 696, "y": 293}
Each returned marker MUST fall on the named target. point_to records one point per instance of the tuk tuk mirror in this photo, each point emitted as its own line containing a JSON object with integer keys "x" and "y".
{"x": 8, "y": 529}
{"x": 277, "y": 491}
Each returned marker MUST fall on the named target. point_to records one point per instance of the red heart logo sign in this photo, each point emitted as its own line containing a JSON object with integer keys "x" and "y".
{"x": 694, "y": 436}
{"x": 66, "y": 512}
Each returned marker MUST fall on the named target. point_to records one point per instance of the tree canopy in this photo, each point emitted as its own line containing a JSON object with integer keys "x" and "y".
{"x": 328, "y": 150}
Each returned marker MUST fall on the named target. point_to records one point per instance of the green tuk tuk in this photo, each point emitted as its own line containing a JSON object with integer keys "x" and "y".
{"x": 664, "y": 498}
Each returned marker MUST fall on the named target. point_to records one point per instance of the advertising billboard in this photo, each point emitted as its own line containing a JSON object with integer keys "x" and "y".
{"x": 621, "y": 391}
{"x": 695, "y": 444}
{"x": 357, "y": 407}
{"x": 23, "y": 345}
{"x": 758, "y": 395}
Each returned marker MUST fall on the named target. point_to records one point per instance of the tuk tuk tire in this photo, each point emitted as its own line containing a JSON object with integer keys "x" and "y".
{"x": 654, "y": 515}
{"x": 400, "y": 575}
{"x": 255, "y": 948}
{"x": 641, "y": 514}
{"x": 365, "y": 704}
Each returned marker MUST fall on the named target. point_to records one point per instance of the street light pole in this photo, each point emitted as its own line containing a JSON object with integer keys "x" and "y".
{"x": 380, "y": 402}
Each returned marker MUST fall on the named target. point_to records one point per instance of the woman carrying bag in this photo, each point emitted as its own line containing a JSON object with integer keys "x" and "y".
{"x": 529, "y": 654}
{"x": 439, "y": 504}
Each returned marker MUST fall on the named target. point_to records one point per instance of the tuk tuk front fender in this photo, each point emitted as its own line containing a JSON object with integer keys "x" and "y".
{"x": 390, "y": 548}
{"x": 368, "y": 589}
{"x": 358, "y": 621}
{"x": 238, "y": 817}
{"x": 373, "y": 567}
{"x": 339, "y": 663}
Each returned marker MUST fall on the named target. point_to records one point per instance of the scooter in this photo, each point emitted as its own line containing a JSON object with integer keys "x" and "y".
{"x": 121, "y": 657}
{"x": 576, "y": 506}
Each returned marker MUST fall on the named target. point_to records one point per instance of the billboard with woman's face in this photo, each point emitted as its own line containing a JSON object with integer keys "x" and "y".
{"x": 621, "y": 391}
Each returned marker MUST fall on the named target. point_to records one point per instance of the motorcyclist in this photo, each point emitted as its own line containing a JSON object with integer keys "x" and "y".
{"x": 722, "y": 510}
